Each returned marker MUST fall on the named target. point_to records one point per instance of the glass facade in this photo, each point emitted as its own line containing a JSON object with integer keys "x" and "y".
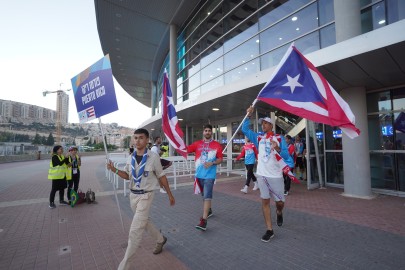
{"x": 386, "y": 124}
{"x": 225, "y": 41}
{"x": 228, "y": 40}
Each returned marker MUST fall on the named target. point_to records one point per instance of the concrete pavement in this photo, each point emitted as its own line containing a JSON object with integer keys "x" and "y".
{"x": 322, "y": 229}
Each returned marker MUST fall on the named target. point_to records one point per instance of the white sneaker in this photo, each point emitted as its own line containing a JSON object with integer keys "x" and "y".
{"x": 256, "y": 187}
{"x": 244, "y": 189}
{"x": 162, "y": 190}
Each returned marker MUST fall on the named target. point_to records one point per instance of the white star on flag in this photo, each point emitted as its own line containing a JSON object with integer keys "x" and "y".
{"x": 293, "y": 82}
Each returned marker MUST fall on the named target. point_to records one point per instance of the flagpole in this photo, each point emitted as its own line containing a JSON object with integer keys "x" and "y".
{"x": 106, "y": 158}
{"x": 236, "y": 131}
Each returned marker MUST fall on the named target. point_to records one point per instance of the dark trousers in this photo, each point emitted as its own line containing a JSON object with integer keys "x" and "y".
{"x": 287, "y": 181}
{"x": 250, "y": 174}
{"x": 73, "y": 183}
{"x": 57, "y": 185}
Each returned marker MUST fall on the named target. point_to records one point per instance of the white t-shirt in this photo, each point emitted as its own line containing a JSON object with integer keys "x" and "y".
{"x": 267, "y": 165}
{"x": 155, "y": 149}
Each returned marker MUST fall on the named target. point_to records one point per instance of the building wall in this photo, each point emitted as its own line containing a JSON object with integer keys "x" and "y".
{"x": 223, "y": 42}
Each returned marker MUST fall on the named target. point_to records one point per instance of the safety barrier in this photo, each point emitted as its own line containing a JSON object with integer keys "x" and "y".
{"x": 180, "y": 168}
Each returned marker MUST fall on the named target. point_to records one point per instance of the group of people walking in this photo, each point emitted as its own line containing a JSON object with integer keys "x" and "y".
{"x": 145, "y": 171}
{"x": 64, "y": 172}
{"x": 296, "y": 149}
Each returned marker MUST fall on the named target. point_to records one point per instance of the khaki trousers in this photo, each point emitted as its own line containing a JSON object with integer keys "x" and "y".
{"x": 140, "y": 204}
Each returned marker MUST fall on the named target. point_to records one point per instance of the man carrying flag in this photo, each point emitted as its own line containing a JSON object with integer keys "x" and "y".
{"x": 272, "y": 158}
{"x": 208, "y": 154}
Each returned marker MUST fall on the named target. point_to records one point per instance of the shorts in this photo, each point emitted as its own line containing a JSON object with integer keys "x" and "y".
{"x": 207, "y": 186}
{"x": 271, "y": 187}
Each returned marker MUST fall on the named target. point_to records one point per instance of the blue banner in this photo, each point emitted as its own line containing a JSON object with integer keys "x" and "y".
{"x": 94, "y": 91}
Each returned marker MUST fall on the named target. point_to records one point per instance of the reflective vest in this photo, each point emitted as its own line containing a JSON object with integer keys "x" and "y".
{"x": 166, "y": 153}
{"x": 70, "y": 169}
{"x": 57, "y": 172}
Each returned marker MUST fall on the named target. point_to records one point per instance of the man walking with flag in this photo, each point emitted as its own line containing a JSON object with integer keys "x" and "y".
{"x": 272, "y": 158}
{"x": 208, "y": 154}
{"x": 145, "y": 171}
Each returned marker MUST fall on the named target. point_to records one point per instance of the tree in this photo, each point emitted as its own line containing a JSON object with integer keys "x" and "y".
{"x": 37, "y": 139}
{"x": 50, "y": 141}
{"x": 127, "y": 141}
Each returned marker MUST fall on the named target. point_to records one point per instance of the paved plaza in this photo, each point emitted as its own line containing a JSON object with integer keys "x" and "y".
{"x": 322, "y": 229}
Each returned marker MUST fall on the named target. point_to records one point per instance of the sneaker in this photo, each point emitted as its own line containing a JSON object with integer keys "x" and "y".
{"x": 63, "y": 203}
{"x": 267, "y": 236}
{"x": 202, "y": 225}
{"x": 52, "y": 205}
{"x": 256, "y": 187}
{"x": 244, "y": 189}
{"x": 162, "y": 190}
{"x": 159, "y": 246}
{"x": 210, "y": 213}
{"x": 285, "y": 193}
{"x": 280, "y": 219}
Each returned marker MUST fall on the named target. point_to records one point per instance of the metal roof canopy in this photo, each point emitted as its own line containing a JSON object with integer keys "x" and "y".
{"x": 136, "y": 35}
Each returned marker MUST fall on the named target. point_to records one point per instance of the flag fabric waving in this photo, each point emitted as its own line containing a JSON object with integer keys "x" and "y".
{"x": 297, "y": 87}
{"x": 170, "y": 123}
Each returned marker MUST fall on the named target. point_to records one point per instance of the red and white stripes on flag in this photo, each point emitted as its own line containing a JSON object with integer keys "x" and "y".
{"x": 197, "y": 186}
{"x": 286, "y": 169}
{"x": 170, "y": 123}
{"x": 297, "y": 87}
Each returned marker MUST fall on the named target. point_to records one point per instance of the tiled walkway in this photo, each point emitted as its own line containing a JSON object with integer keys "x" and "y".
{"x": 322, "y": 229}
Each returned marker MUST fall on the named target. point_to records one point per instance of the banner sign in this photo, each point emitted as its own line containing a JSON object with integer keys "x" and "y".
{"x": 94, "y": 91}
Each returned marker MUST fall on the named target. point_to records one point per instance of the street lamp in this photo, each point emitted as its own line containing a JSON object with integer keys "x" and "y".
{"x": 58, "y": 110}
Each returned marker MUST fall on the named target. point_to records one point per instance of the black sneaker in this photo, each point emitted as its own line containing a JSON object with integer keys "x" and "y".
{"x": 280, "y": 219}
{"x": 202, "y": 225}
{"x": 267, "y": 236}
{"x": 52, "y": 205}
{"x": 210, "y": 213}
{"x": 63, "y": 203}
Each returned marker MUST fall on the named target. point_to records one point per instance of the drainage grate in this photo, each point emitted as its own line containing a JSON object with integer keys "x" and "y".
{"x": 62, "y": 220}
{"x": 64, "y": 250}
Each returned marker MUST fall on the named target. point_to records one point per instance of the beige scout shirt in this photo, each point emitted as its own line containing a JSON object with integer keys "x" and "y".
{"x": 153, "y": 171}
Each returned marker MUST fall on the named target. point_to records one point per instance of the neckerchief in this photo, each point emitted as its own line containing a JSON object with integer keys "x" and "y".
{"x": 137, "y": 178}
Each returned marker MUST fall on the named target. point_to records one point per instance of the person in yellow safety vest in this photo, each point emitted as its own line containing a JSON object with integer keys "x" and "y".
{"x": 165, "y": 149}
{"x": 73, "y": 172}
{"x": 57, "y": 173}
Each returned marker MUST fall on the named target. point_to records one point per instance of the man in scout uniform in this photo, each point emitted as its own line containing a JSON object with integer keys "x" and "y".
{"x": 145, "y": 171}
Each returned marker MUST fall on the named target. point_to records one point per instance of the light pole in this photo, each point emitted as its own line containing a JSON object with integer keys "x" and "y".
{"x": 58, "y": 110}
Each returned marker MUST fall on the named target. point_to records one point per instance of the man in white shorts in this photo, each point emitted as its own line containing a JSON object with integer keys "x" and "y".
{"x": 272, "y": 147}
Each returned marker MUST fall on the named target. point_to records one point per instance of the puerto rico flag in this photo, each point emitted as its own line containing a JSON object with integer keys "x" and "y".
{"x": 297, "y": 87}
{"x": 87, "y": 115}
{"x": 170, "y": 123}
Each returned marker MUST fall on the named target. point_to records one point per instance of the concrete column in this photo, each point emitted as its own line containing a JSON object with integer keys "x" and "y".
{"x": 152, "y": 97}
{"x": 356, "y": 156}
{"x": 347, "y": 19}
{"x": 229, "y": 149}
{"x": 173, "y": 61}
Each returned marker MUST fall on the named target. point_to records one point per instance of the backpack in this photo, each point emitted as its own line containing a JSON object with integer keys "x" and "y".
{"x": 90, "y": 196}
{"x": 81, "y": 196}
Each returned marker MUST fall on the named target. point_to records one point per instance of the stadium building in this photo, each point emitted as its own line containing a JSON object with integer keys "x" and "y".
{"x": 219, "y": 54}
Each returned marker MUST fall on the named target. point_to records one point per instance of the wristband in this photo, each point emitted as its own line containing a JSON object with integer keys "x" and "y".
{"x": 116, "y": 171}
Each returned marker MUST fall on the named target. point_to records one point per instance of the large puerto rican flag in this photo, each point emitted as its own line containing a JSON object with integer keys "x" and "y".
{"x": 170, "y": 123}
{"x": 297, "y": 87}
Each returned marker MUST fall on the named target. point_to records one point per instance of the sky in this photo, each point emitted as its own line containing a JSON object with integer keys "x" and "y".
{"x": 44, "y": 44}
